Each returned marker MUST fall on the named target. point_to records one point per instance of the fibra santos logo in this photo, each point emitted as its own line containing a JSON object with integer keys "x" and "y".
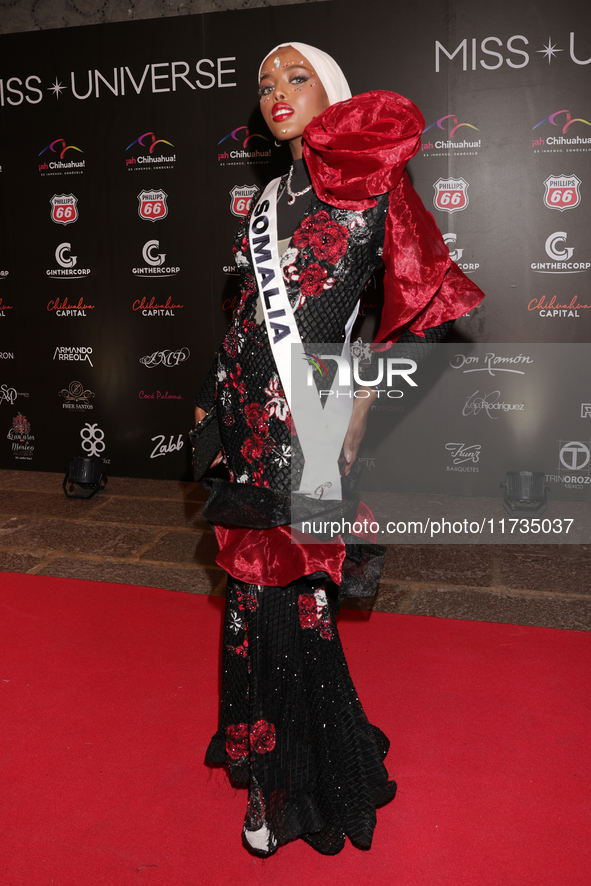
{"x": 21, "y": 438}
{"x": 574, "y": 464}
{"x": 560, "y": 257}
{"x": 243, "y": 148}
{"x": 241, "y": 199}
{"x": 152, "y": 205}
{"x": 451, "y": 194}
{"x": 555, "y": 135}
{"x": 465, "y": 457}
{"x": 562, "y": 192}
{"x": 60, "y": 158}
{"x": 64, "y": 209}
{"x": 76, "y": 397}
{"x": 68, "y": 264}
{"x": 149, "y": 152}
{"x": 454, "y": 140}
{"x": 154, "y": 262}
{"x": 456, "y": 253}
{"x": 493, "y": 53}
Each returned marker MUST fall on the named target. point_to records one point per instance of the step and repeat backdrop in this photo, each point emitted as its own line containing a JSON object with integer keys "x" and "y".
{"x": 129, "y": 152}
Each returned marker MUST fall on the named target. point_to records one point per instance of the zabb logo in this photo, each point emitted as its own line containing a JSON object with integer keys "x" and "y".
{"x": 562, "y": 192}
{"x": 152, "y": 205}
{"x": 451, "y": 194}
{"x": 560, "y": 256}
{"x": 241, "y": 198}
{"x": 64, "y": 209}
{"x": 154, "y": 262}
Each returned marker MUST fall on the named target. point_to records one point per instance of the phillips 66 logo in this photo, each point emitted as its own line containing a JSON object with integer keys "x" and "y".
{"x": 241, "y": 198}
{"x": 152, "y": 205}
{"x": 64, "y": 209}
{"x": 451, "y": 194}
{"x": 562, "y": 192}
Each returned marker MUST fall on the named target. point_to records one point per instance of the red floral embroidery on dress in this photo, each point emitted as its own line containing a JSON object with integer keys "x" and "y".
{"x": 262, "y": 737}
{"x": 312, "y": 280}
{"x": 231, "y": 343}
{"x": 247, "y": 601}
{"x": 307, "y": 611}
{"x": 255, "y": 447}
{"x": 237, "y": 740}
{"x": 257, "y": 419}
{"x": 314, "y": 612}
{"x": 327, "y": 239}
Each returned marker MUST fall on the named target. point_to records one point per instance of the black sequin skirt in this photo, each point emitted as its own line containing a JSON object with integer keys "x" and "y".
{"x": 292, "y": 729}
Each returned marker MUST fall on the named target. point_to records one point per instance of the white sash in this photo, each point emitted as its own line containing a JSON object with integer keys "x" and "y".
{"x": 321, "y": 431}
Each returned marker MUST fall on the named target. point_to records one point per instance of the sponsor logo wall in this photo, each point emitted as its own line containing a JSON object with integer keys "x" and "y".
{"x": 127, "y": 164}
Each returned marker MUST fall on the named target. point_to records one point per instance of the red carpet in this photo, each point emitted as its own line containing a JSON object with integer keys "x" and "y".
{"x": 109, "y": 697}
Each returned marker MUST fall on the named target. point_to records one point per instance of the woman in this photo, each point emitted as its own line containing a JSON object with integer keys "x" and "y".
{"x": 292, "y": 729}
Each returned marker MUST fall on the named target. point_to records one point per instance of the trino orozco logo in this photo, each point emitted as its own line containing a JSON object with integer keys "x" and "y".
{"x": 455, "y": 253}
{"x": 21, "y": 438}
{"x": 64, "y": 209}
{"x": 465, "y": 457}
{"x": 150, "y": 153}
{"x": 560, "y": 257}
{"x": 81, "y": 355}
{"x": 562, "y": 192}
{"x": 450, "y": 140}
{"x": 152, "y": 205}
{"x": 76, "y": 397}
{"x": 451, "y": 194}
{"x": 562, "y": 121}
{"x": 154, "y": 260}
{"x": 238, "y": 150}
{"x": 574, "y": 463}
{"x": 241, "y": 198}
{"x": 68, "y": 264}
{"x": 166, "y": 358}
{"x": 60, "y": 159}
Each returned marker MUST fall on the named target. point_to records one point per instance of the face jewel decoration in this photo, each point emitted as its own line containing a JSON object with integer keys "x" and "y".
{"x": 276, "y": 61}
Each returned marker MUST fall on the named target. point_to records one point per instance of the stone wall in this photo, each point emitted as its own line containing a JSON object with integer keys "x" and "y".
{"x": 41, "y": 15}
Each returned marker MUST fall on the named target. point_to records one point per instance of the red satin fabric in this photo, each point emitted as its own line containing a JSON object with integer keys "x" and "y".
{"x": 356, "y": 150}
{"x": 269, "y": 557}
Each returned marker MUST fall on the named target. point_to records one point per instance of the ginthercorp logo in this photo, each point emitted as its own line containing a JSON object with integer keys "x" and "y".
{"x": 93, "y": 439}
{"x": 241, "y": 198}
{"x": 464, "y": 457}
{"x": 466, "y": 143}
{"x": 152, "y": 205}
{"x": 562, "y": 192}
{"x": 166, "y": 358}
{"x": 451, "y": 194}
{"x": 150, "y": 152}
{"x": 81, "y": 355}
{"x": 68, "y": 264}
{"x": 239, "y": 148}
{"x": 154, "y": 260}
{"x": 21, "y": 438}
{"x": 76, "y": 397}
{"x": 64, "y": 209}
{"x": 549, "y": 140}
{"x": 560, "y": 257}
{"x": 456, "y": 253}
{"x": 59, "y": 158}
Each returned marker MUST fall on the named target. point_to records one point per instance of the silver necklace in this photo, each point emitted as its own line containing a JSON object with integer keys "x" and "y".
{"x": 291, "y": 195}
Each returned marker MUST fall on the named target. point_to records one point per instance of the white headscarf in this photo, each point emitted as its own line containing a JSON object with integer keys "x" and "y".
{"x": 333, "y": 79}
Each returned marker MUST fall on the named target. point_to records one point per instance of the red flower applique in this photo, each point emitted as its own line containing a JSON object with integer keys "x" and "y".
{"x": 237, "y": 741}
{"x": 307, "y": 610}
{"x": 327, "y": 239}
{"x": 257, "y": 419}
{"x": 262, "y": 737}
{"x": 312, "y": 280}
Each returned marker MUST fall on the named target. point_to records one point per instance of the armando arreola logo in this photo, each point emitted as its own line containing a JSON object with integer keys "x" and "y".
{"x": 81, "y": 355}
{"x": 64, "y": 209}
{"x": 155, "y": 260}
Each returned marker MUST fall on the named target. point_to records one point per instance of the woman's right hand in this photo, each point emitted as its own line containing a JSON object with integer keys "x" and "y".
{"x": 199, "y": 416}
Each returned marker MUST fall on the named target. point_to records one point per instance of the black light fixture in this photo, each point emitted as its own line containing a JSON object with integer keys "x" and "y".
{"x": 525, "y": 491}
{"x": 87, "y": 473}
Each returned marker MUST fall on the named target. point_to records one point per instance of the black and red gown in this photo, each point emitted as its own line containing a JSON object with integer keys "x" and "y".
{"x": 292, "y": 729}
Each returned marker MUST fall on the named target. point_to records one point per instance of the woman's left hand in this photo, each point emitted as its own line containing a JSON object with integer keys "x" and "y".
{"x": 357, "y": 426}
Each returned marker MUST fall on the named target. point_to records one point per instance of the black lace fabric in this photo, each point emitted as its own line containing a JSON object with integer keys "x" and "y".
{"x": 292, "y": 729}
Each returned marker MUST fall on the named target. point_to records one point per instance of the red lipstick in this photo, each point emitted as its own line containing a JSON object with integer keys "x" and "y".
{"x": 281, "y": 111}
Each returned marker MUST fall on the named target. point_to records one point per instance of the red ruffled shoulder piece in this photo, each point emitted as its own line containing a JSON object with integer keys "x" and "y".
{"x": 357, "y": 150}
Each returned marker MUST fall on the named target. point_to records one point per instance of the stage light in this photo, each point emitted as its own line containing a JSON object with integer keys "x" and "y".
{"x": 87, "y": 473}
{"x": 524, "y": 491}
